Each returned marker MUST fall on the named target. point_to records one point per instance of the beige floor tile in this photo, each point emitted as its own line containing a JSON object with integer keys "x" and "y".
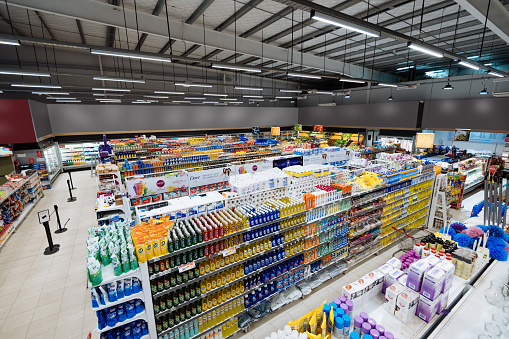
{"x": 22, "y": 319}
{"x": 15, "y": 278}
{"x": 77, "y": 280}
{"x": 49, "y": 297}
{"x": 32, "y": 282}
{"x": 72, "y": 302}
{"x": 23, "y": 305}
{"x": 29, "y": 292}
{"x": 73, "y": 314}
{"x": 52, "y": 286}
{"x": 46, "y": 335}
{"x": 56, "y": 275}
{"x": 9, "y": 299}
{"x": 69, "y": 330}
{"x": 42, "y": 326}
{"x": 20, "y": 268}
{"x": 52, "y": 308}
{"x": 4, "y": 311}
{"x": 11, "y": 288}
{"x": 89, "y": 323}
{"x": 14, "y": 333}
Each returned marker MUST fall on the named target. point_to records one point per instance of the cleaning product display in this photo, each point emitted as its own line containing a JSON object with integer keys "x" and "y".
{"x": 18, "y": 196}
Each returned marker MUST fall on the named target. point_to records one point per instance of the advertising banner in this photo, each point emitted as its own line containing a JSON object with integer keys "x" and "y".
{"x": 174, "y": 183}
{"x": 254, "y": 167}
{"x": 211, "y": 179}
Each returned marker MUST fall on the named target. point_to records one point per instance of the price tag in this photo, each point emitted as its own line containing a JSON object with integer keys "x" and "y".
{"x": 187, "y": 267}
{"x": 229, "y": 251}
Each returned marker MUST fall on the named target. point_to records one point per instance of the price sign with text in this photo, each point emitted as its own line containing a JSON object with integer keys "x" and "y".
{"x": 187, "y": 267}
{"x": 229, "y": 251}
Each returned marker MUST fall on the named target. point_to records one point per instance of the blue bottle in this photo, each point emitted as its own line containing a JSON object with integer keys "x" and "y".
{"x": 138, "y": 306}
{"x": 121, "y": 313}
{"x": 136, "y": 285}
{"x": 111, "y": 316}
{"x": 130, "y": 309}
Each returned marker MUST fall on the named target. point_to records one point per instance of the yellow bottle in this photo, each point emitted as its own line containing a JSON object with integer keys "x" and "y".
{"x": 200, "y": 324}
{"x": 209, "y": 303}
{"x": 204, "y": 305}
{"x": 224, "y": 295}
{"x": 213, "y": 282}
{"x": 203, "y": 286}
{"x": 214, "y": 300}
{"x": 214, "y": 318}
{"x": 223, "y": 278}
{"x": 206, "y": 265}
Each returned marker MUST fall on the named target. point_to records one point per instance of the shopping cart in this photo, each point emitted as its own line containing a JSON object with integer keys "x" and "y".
{"x": 409, "y": 240}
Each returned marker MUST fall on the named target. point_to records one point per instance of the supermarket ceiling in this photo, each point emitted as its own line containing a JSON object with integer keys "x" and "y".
{"x": 263, "y": 46}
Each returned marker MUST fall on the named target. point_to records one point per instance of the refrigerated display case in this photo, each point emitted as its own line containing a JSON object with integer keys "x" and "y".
{"x": 78, "y": 155}
{"x": 53, "y": 162}
{"x": 473, "y": 169}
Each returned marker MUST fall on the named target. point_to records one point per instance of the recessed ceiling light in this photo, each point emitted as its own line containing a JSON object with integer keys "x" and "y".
{"x": 237, "y": 68}
{"x": 25, "y": 73}
{"x": 172, "y": 93}
{"x": 130, "y": 55}
{"x": 249, "y": 88}
{"x": 36, "y": 86}
{"x": 387, "y": 85}
{"x": 50, "y": 93}
{"x": 156, "y": 96}
{"x": 104, "y": 78}
{"x": 111, "y": 89}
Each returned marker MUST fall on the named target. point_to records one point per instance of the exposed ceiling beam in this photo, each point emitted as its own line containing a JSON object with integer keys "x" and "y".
{"x": 41, "y": 19}
{"x": 331, "y": 28}
{"x": 308, "y": 6}
{"x": 212, "y": 54}
{"x": 281, "y": 14}
{"x": 166, "y": 46}
{"x": 82, "y": 35}
{"x": 109, "y": 15}
{"x": 14, "y": 29}
{"x": 111, "y": 30}
{"x": 235, "y": 16}
{"x": 199, "y": 11}
{"x": 498, "y": 16}
{"x": 157, "y": 10}
{"x": 386, "y": 23}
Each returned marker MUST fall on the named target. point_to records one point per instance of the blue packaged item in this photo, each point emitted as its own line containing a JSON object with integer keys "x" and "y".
{"x": 111, "y": 316}
{"x": 120, "y": 289}
{"x": 130, "y": 309}
{"x": 144, "y": 329}
{"x": 95, "y": 302}
{"x": 136, "y": 330}
{"x": 138, "y": 305}
{"x": 121, "y": 313}
{"x": 112, "y": 292}
{"x": 136, "y": 285}
{"x": 101, "y": 319}
{"x": 127, "y": 331}
{"x": 118, "y": 334}
{"x": 102, "y": 296}
{"x": 128, "y": 287}
{"x": 111, "y": 334}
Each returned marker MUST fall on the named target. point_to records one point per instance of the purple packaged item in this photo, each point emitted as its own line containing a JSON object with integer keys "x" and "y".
{"x": 375, "y": 334}
{"x": 382, "y": 337}
{"x": 389, "y": 335}
{"x": 349, "y": 304}
{"x": 337, "y": 302}
{"x": 344, "y": 308}
{"x": 364, "y": 316}
{"x": 416, "y": 274}
{"x": 380, "y": 329}
{"x": 365, "y": 328}
{"x": 372, "y": 322}
{"x": 357, "y": 324}
{"x": 426, "y": 308}
{"x": 342, "y": 298}
{"x": 432, "y": 283}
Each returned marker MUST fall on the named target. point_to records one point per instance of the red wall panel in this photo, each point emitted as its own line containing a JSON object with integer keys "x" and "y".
{"x": 16, "y": 124}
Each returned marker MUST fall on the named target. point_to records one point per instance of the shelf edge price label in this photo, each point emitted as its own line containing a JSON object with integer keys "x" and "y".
{"x": 187, "y": 267}
{"x": 229, "y": 251}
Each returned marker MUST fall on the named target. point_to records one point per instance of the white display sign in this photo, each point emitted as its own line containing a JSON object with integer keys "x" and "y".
{"x": 210, "y": 179}
{"x": 254, "y": 167}
{"x": 187, "y": 267}
{"x": 173, "y": 183}
{"x": 43, "y": 216}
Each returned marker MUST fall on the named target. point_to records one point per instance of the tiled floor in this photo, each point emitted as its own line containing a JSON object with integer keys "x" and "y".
{"x": 46, "y": 296}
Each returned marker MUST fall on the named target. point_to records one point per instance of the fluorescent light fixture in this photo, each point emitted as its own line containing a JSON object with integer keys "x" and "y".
{"x": 190, "y": 84}
{"x": 488, "y": 64}
{"x": 404, "y": 68}
{"x": 36, "y": 86}
{"x": 352, "y": 80}
{"x": 347, "y": 96}
{"x": 253, "y": 96}
{"x": 469, "y": 65}
{"x": 145, "y": 100}
{"x": 291, "y": 90}
{"x": 256, "y": 100}
{"x": 62, "y": 98}
{"x": 172, "y": 93}
{"x": 140, "y": 81}
{"x": 1, "y": 92}
{"x": 249, "y": 88}
{"x": 107, "y": 94}
{"x": 237, "y": 68}
{"x": 390, "y": 98}
{"x": 425, "y": 50}
{"x": 182, "y": 101}
{"x": 347, "y": 25}
{"x": 130, "y": 55}
{"x": 228, "y": 99}
{"x": 103, "y": 99}
{"x": 215, "y": 95}
{"x": 211, "y": 102}
{"x": 473, "y": 57}
{"x": 51, "y": 93}
{"x": 110, "y": 101}
{"x": 448, "y": 87}
{"x": 496, "y": 74}
{"x": 68, "y": 101}
{"x": 9, "y": 42}
{"x": 387, "y": 85}
{"x": 484, "y": 91}
{"x": 156, "y": 97}
{"x": 501, "y": 94}
{"x": 299, "y": 75}
{"x": 141, "y": 102}
{"x": 111, "y": 89}
{"x": 189, "y": 98}
{"x": 320, "y": 92}
{"x": 26, "y": 73}
{"x": 283, "y": 97}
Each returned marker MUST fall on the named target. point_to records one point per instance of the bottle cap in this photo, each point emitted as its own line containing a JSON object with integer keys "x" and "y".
{"x": 349, "y": 304}
{"x": 380, "y": 329}
{"x": 372, "y": 322}
{"x": 374, "y": 333}
{"x": 365, "y": 328}
{"x": 346, "y": 320}
{"x": 389, "y": 335}
{"x": 339, "y": 323}
{"x": 354, "y": 335}
{"x": 364, "y": 316}
{"x": 357, "y": 322}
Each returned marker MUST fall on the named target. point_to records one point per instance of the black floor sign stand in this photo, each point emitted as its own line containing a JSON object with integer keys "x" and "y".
{"x": 60, "y": 229}
{"x": 44, "y": 218}
{"x": 70, "y": 179}
{"x": 71, "y": 198}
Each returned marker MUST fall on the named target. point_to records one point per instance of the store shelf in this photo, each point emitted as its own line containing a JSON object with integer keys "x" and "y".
{"x": 408, "y": 196}
{"x": 101, "y": 208}
{"x": 142, "y": 315}
{"x": 402, "y": 227}
{"x": 19, "y": 220}
{"x": 139, "y": 295}
{"x": 367, "y": 201}
{"x": 108, "y": 275}
{"x": 405, "y": 207}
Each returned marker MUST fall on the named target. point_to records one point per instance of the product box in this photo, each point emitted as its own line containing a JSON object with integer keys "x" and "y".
{"x": 448, "y": 267}
{"x": 385, "y": 269}
{"x": 369, "y": 283}
{"x": 392, "y": 277}
{"x": 406, "y": 305}
{"x": 427, "y": 308}
{"x": 432, "y": 283}
{"x": 354, "y": 292}
{"x": 396, "y": 263}
{"x": 432, "y": 260}
{"x": 391, "y": 295}
{"x": 379, "y": 279}
{"x": 403, "y": 279}
{"x": 416, "y": 274}
{"x": 442, "y": 304}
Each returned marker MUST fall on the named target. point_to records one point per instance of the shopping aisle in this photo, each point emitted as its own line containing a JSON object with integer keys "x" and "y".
{"x": 46, "y": 296}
